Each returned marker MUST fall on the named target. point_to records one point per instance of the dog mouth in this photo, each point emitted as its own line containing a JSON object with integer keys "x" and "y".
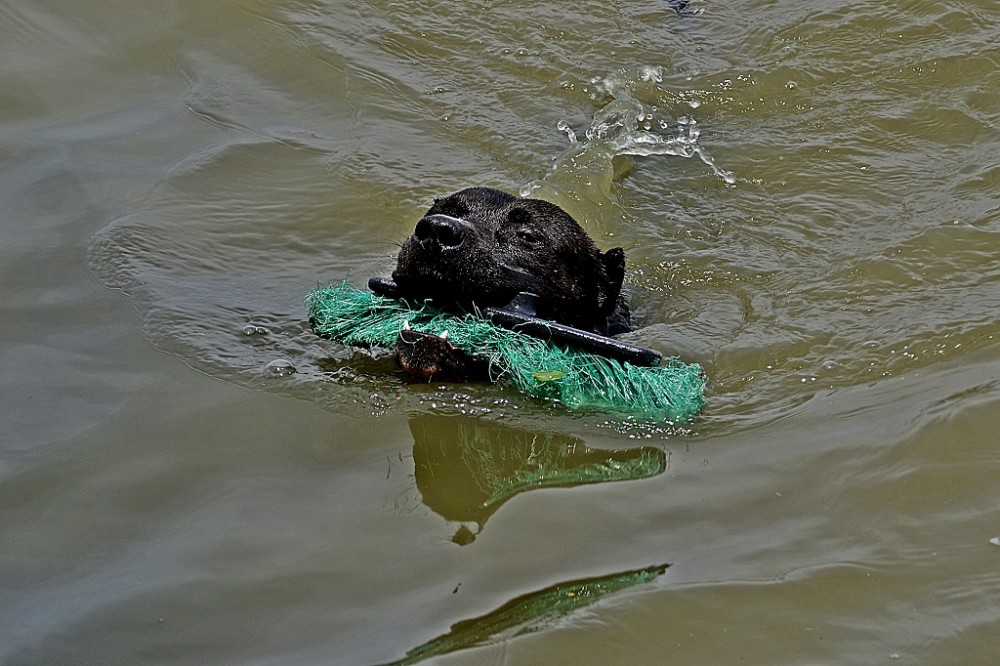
{"x": 447, "y": 285}
{"x": 426, "y": 355}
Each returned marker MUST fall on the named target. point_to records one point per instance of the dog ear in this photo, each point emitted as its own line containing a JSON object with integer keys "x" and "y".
{"x": 614, "y": 270}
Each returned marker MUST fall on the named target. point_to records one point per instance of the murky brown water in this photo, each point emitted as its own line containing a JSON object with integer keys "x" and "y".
{"x": 809, "y": 195}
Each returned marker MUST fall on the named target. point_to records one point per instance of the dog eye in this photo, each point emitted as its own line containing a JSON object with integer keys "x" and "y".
{"x": 527, "y": 235}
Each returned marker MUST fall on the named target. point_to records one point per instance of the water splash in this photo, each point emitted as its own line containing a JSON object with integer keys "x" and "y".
{"x": 629, "y": 122}
{"x": 631, "y": 126}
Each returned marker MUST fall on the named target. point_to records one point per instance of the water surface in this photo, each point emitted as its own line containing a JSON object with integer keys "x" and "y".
{"x": 807, "y": 193}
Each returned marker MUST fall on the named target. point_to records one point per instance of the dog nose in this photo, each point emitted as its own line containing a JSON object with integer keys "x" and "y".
{"x": 448, "y": 231}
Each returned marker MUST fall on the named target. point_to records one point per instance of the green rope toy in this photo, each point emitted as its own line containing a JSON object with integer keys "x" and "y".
{"x": 671, "y": 391}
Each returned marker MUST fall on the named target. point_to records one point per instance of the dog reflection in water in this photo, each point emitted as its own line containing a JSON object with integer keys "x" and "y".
{"x": 466, "y": 468}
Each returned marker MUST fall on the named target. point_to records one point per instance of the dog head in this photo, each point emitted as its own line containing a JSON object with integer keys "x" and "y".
{"x": 480, "y": 247}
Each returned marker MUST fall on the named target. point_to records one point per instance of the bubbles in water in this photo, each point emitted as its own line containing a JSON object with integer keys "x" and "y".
{"x": 694, "y": 103}
{"x": 279, "y": 367}
{"x": 791, "y": 85}
{"x": 252, "y": 330}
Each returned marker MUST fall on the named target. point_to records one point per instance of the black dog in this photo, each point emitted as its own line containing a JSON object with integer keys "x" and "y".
{"x": 480, "y": 247}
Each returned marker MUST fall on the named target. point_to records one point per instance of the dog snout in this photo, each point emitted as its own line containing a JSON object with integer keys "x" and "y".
{"x": 445, "y": 230}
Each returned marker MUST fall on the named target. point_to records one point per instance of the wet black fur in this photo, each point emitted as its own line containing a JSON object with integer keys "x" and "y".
{"x": 479, "y": 247}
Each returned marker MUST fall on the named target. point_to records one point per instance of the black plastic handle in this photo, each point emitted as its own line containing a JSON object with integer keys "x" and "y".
{"x": 592, "y": 342}
{"x": 519, "y": 316}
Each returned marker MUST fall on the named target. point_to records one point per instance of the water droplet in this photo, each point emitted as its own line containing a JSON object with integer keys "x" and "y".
{"x": 279, "y": 367}
{"x": 563, "y": 126}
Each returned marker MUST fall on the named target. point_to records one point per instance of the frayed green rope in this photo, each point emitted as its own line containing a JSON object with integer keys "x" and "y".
{"x": 671, "y": 391}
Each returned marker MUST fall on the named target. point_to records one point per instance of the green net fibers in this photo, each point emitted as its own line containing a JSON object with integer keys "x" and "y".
{"x": 671, "y": 391}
